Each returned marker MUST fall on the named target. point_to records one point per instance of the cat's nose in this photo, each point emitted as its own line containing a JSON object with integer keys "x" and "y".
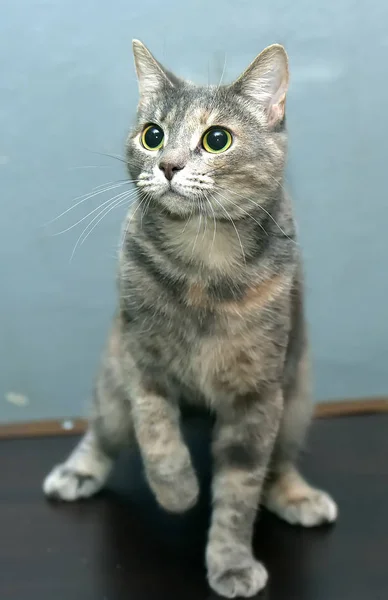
{"x": 169, "y": 169}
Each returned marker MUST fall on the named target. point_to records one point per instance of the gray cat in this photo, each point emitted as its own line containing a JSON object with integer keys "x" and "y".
{"x": 210, "y": 312}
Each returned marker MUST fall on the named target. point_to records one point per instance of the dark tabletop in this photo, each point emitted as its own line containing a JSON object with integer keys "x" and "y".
{"x": 121, "y": 546}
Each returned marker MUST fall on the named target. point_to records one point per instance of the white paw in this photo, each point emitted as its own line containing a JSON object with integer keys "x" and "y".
{"x": 241, "y": 578}
{"x": 312, "y": 509}
{"x": 65, "y": 483}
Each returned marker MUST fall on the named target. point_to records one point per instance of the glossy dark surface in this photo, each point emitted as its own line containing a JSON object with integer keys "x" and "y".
{"x": 121, "y": 546}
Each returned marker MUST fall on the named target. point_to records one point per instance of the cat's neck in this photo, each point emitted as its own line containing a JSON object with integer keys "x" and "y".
{"x": 203, "y": 243}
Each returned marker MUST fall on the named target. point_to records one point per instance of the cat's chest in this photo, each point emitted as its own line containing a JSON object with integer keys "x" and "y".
{"x": 243, "y": 347}
{"x": 231, "y": 363}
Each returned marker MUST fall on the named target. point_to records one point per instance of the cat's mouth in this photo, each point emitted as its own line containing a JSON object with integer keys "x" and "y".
{"x": 178, "y": 190}
{"x": 193, "y": 191}
{"x": 192, "y": 188}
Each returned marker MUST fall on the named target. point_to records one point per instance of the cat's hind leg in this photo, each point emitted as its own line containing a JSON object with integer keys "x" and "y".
{"x": 292, "y": 499}
{"x": 87, "y": 468}
{"x": 287, "y": 494}
{"x": 82, "y": 474}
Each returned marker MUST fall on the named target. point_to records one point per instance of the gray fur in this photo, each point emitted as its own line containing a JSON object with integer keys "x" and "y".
{"x": 211, "y": 309}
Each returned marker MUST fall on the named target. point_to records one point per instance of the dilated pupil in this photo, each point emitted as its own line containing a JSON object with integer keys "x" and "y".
{"x": 217, "y": 139}
{"x": 153, "y": 137}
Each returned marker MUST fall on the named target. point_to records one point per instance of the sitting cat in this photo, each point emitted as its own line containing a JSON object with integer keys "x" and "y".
{"x": 210, "y": 311}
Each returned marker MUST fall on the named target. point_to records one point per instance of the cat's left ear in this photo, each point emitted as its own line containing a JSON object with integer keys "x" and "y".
{"x": 151, "y": 75}
{"x": 266, "y": 82}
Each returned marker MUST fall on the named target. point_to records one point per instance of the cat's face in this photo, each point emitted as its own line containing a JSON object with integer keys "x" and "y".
{"x": 210, "y": 150}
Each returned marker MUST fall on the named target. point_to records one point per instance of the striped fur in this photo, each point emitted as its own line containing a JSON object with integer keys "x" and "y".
{"x": 210, "y": 312}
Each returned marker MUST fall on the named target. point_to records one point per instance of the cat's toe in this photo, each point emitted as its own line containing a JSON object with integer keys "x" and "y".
{"x": 65, "y": 483}
{"x": 241, "y": 578}
{"x": 316, "y": 509}
{"x": 313, "y": 509}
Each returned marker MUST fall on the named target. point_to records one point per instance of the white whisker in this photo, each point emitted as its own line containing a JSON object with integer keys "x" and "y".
{"x": 258, "y": 205}
{"x": 243, "y": 211}
{"x": 85, "y": 197}
{"x": 115, "y": 156}
{"x": 196, "y": 237}
{"x": 110, "y": 200}
{"x": 218, "y": 87}
{"x": 234, "y": 226}
{"x": 205, "y": 228}
{"x": 91, "y": 167}
{"x": 214, "y": 222}
{"x": 98, "y": 187}
{"x": 188, "y": 219}
{"x": 103, "y": 212}
{"x": 130, "y": 221}
{"x": 148, "y": 197}
{"x": 222, "y": 73}
{"x": 106, "y": 211}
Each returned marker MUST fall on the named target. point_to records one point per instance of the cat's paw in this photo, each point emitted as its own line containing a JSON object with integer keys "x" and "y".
{"x": 178, "y": 494}
{"x": 232, "y": 575}
{"x": 314, "y": 509}
{"x": 310, "y": 509}
{"x": 65, "y": 483}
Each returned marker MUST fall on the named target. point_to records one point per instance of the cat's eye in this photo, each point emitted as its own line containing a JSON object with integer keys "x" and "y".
{"x": 152, "y": 137}
{"x": 217, "y": 140}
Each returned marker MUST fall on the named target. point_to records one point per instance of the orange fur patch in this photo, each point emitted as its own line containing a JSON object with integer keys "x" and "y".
{"x": 255, "y": 298}
{"x": 258, "y": 296}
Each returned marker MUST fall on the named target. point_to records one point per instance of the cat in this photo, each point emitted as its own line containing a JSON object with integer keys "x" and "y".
{"x": 210, "y": 312}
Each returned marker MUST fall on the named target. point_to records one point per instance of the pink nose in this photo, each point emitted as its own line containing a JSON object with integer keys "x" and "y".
{"x": 169, "y": 169}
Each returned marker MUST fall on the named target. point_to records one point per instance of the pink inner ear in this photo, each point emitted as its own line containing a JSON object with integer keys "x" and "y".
{"x": 276, "y": 111}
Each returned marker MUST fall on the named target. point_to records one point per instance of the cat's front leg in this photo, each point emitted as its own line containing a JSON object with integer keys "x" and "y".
{"x": 243, "y": 442}
{"x": 166, "y": 458}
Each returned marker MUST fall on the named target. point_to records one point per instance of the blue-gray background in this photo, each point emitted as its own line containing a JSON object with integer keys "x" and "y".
{"x": 68, "y": 90}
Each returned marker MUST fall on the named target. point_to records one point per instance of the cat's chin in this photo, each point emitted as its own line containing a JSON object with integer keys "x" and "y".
{"x": 175, "y": 193}
{"x": 178, "y": 204}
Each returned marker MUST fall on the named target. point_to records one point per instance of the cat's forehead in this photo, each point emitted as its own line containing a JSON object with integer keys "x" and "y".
{"x": 195, "y": 107}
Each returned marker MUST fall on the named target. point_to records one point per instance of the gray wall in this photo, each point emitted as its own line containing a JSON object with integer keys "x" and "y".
{"x": 67, "y": 91}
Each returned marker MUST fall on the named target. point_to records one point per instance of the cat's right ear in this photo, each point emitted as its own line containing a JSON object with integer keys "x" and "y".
{"x": 265, "y": 82}
{"x": 152, "y": 77}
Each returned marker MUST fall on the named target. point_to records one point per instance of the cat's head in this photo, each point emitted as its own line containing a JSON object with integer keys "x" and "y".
{"x": 217, "y": 150}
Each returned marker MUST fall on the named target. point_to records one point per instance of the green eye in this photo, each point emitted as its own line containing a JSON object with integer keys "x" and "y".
{"x": 152, "y": 137}
{"x": 217, "y": 140}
